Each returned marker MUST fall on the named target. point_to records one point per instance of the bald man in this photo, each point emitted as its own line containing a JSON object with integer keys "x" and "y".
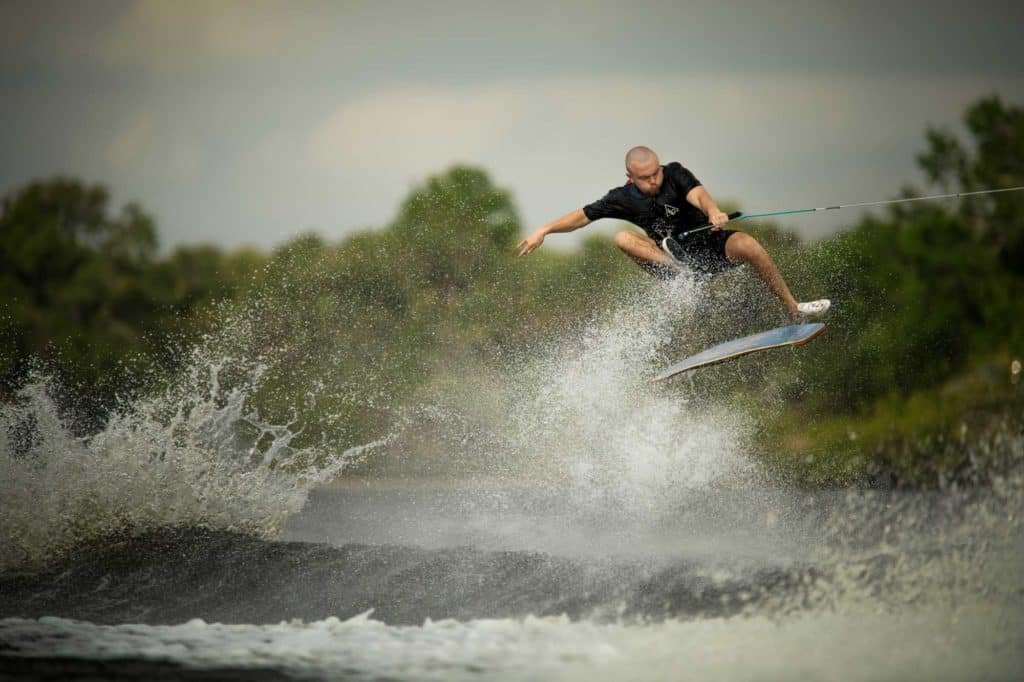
{"x": 665, "y": 201}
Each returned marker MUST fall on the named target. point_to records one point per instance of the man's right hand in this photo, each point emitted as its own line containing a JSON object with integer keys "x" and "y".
{"x": 532, "y": 241}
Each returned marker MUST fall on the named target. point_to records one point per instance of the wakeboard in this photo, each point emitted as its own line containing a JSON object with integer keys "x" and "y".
{"x": 793, "y": 335}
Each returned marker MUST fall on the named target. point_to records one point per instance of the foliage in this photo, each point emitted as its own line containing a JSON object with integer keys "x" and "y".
{"x": 923, "y": 296}
{"x": 950, "y": 432}
{"x": 86, "y": 297}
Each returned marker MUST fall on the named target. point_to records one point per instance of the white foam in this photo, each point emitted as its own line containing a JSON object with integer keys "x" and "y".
{"x": 974, "y": 642}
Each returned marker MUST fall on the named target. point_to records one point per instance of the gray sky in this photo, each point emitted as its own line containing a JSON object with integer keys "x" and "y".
{"x": 249, "y": 122}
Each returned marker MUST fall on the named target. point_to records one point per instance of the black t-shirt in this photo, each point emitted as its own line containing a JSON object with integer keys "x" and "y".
{"x": 667, "y": 213}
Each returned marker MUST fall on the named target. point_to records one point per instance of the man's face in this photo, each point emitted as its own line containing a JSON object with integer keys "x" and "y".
{"x": 647, "y": 176}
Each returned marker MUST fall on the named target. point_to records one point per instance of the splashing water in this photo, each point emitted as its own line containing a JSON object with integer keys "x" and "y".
{"x": 577, "y": 416}
{"x": 197, "y": 453}
{"x": 617, "y": 439}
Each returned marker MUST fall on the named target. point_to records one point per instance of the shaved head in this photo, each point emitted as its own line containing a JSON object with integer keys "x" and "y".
{"x": 644, "y": 170}
{"x": 640, "y": 156}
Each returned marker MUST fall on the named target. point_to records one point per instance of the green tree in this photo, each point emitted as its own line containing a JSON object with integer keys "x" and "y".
{"x": 71, "y": 272}
{"x": 997, "y": 162}
{"x": 86, "y": 296}
{"x": 929, "y": 288}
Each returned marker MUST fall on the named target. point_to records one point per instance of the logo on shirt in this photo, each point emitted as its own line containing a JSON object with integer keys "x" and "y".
{"x": 670, "y": 210}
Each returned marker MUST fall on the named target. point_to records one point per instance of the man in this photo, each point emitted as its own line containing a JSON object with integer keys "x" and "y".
{"x": 665, "y": 201}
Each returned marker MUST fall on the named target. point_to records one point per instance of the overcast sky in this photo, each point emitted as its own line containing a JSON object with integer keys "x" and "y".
{"x": 249, "y": 122}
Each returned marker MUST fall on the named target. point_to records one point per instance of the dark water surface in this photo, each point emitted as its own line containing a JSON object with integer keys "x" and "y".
{"x": 475, "y": 565}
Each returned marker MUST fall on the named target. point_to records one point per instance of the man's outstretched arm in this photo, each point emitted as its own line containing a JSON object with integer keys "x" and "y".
{"x": 567, "y": 223}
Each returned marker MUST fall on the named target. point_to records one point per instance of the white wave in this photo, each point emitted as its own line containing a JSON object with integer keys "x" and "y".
{"x": 977, "y": 641}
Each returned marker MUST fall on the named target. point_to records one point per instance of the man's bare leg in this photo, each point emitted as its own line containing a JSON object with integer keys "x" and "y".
{"x": 645, "y": 253}
{"x": 742, "y": 248}
{"x": 641, "y": 249}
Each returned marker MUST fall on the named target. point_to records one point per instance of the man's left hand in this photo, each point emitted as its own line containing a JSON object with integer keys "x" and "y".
{"x": 717, "y": 219}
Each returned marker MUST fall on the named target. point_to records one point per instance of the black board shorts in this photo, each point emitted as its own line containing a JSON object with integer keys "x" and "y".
{"x": 705, "y": 251}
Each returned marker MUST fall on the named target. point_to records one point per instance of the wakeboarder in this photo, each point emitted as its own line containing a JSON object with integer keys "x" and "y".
{"x": 665, "y": 201}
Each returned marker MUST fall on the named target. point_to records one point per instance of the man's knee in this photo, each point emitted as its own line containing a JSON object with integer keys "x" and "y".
{"x": 741, "y": 246}
{"x": 626, "y": 240}
{"x": 638, "y": 247}
{"x": 634, "y": 245}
